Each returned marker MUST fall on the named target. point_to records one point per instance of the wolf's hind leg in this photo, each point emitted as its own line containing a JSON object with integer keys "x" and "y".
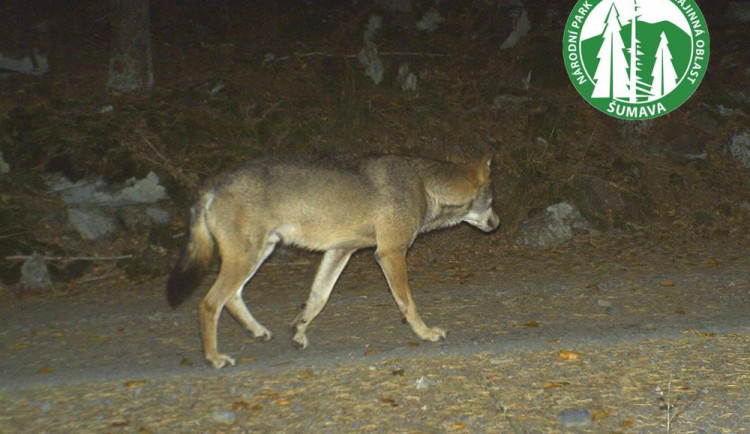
{"x": 239, "y": 311}
{"x": 329, "y": 270}
{"x": 237, "y": 307}
{"x": 237, "y": 267}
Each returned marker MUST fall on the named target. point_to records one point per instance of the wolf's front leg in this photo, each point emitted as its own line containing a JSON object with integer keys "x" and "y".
{"x": 330, "y": 269}
{"x": 393, "y": 263}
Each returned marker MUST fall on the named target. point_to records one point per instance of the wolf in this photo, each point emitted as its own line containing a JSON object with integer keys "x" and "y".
{"x": 337, "y": 204}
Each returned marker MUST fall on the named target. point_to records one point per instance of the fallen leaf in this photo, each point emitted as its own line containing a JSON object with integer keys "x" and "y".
{"x": 186, "y": 362}
{"x": 531, "y": 324}
{"x": 44, "y": 370}
{"x": 371, "y": 352}
{"x": 389, "y": 401}
{"x": 282, "y": 401}
{"x": 666, "y": 282}
{"x": 458, "y": 426}
{"x": 256, "y": 407}
{"x": 413, "y": 344}
{"x": 134, "y": 383}
{"x": 397, "y": 372}
{"x": 713, "y": 262}
{"x": 246, "y": 359}
{"x": 627, "y": 424}
{"x": 240, "y": 405}
{"x": 556, "y": 384}
{"x": 680, "y": 312}
{"x": 307, "y": 374}
{"x": 58, "y": 335}
{"x": 599, "y": 415}
{"x": 568, "y": 355}
{"x": 120, "y": 424}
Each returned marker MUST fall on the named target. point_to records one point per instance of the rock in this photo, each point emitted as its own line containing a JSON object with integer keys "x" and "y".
{"x": 601, "y": 201}
{"x": 91, "y": 223}
{"x": 575, "y": 417}
{"x": 729, "y": 112}
{"x": 158, "y": 215}
{"x": 552, "y": 227}
{"x": 92, "y": 215}
{"x": 521, "y": 27}
{"x": 740, "y": 148}
{"x": 146, "y": 190}
{"x": 39, "y": 65}
{"x": 368, "y": 56}
{"x": 222, "y": 416}
{"x": 34, "y": 272}
{"x": 406, "y": 78}
{"x": 430, "y": 21}
{"x": 423, "y": 383}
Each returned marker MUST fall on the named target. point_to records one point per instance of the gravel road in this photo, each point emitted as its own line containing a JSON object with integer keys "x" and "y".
{"x": 616, "y": 336}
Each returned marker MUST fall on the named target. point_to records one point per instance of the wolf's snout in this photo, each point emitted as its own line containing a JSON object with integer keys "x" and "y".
{"x": 488, "y": 221}
{"x": 492, "y": 222}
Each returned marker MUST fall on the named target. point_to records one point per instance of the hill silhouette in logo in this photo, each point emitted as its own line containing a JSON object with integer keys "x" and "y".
{"x": 649, "y": 36}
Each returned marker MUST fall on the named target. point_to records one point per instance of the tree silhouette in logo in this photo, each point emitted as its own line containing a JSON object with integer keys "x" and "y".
{"x": 664, "y": 75}
{"x": 611, "y": 74}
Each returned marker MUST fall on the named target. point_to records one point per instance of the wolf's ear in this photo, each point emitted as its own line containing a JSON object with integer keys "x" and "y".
{"x": 481, "y": 169}
{"x": 487, "y": 159}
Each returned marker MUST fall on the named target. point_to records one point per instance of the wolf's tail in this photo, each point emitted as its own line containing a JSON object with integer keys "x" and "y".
{"x": 195, "y": 256}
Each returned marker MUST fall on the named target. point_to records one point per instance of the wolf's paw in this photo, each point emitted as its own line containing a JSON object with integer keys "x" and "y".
{"x": 299, "y": 340}
{"x": 433, "y": 334}
{"x": 262, "y": 333}
{"x": 218, "y": 361}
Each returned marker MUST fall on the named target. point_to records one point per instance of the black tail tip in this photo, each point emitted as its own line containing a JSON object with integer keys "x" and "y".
{"x": 182, "y": 282}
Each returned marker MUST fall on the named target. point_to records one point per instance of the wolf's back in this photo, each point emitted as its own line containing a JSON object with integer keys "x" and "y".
{"x": 195, "y": 256}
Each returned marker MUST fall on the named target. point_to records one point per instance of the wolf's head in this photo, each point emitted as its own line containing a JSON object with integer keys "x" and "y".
{"x": 461, "y": 193}
{"x": 480, "y": 213}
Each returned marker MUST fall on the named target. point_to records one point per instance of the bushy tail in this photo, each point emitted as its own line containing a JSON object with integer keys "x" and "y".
{"x": 194, "y": 259}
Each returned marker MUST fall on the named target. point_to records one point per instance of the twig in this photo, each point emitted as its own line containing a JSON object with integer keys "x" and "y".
{"x": 412, "y": 53}
{"x": 153, "y": 148}
{"x": 69, "y": 258}
{"x": 352, "y": 56}
{"x": 15, "y": 234}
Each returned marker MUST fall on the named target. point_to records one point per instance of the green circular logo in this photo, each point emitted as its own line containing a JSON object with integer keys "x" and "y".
{"x": 636, "y": 59}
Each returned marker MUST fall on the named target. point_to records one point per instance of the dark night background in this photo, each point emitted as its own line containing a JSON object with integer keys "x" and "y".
{"x": 238, "y": 79}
